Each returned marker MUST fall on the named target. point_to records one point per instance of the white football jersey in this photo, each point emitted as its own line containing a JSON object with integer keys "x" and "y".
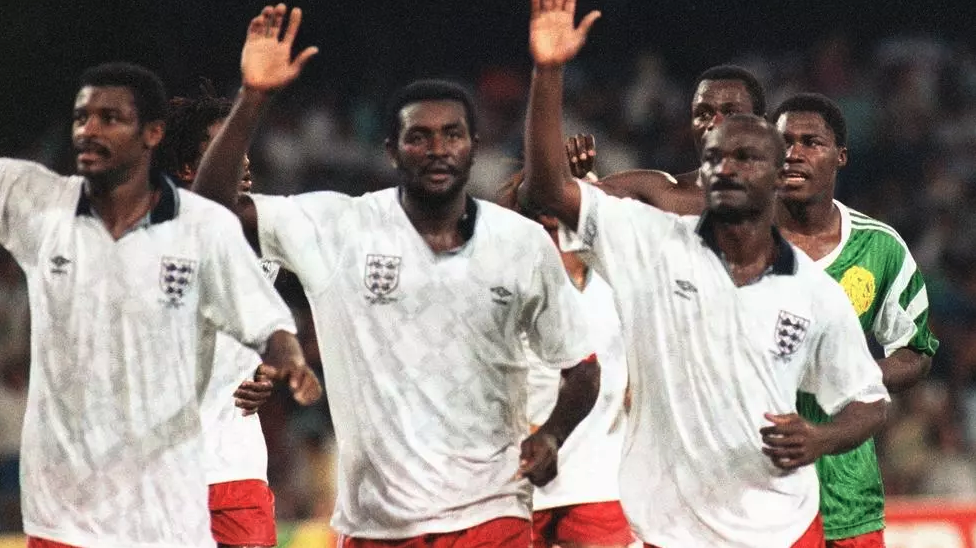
{"x": 423, "y": 364}
{"x": 234, "y": 446}
{"x": 589, "y": 460}
{"x": 112, "y": 440}
{"x": 707, "y": 360}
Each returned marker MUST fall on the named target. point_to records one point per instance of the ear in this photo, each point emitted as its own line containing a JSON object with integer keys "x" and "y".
{"x": 152, "y": 133}
{"x": 841, "y": 157}
{"x": 391, "y": 153}
{"x": 186, "y": 173}
{"x": 475, "y": 141}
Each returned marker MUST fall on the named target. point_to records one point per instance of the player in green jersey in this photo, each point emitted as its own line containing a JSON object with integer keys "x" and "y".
{"x": 872, "y": 263}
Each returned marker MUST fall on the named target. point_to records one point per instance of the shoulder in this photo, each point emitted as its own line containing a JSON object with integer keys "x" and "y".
{"x": 825, "y": 294}
{"x": 197, "y": 209}
{"x": 29, "y": 171}
{"x": 865, "y": 226}
{"x": 508, "y": 224}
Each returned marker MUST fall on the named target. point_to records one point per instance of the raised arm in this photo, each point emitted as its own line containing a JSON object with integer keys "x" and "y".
{"x": 553, "y": 41}
{"x": 266, "y": 66}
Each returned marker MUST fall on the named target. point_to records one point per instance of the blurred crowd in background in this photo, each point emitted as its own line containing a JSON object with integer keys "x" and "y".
{"x": 910, "y": 104}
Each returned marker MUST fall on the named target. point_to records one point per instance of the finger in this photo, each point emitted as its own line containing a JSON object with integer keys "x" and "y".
{"x": 589, "y": 143}
{"x": 783, "y": 441}
{"x": 548, "y": 5}
{"x": 536, "y": 8}
{"x": 780, "y": 419}
{"x": 279, "y": 18}
{"x": 304, "y": 56}
{"x": 294, "y": 21}
{"x": 251, "y": 395}
{"x": 587, "y": 22}
{"x": 268, "y": 20}
{"x": 257, "y": 24}
{"x": 569, "y": 5}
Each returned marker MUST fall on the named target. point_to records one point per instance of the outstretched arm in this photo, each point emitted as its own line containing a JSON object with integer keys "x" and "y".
{"x": 553, "y": 41}
{"x": 266, "y": 66}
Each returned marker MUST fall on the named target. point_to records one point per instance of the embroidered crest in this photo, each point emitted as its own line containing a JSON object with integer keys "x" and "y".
{"x": 381, "y": 278}
{"x": 175, "y": 278}
{"x": 790, "y": 332}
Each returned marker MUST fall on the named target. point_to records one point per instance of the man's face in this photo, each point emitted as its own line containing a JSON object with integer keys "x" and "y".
{"x": 434, "y": 150}
{"x": 812, "y": 157}
{"x": 106, "y": 134}
{"x": 740, "y": 171}
{"x": 714, "y": 101}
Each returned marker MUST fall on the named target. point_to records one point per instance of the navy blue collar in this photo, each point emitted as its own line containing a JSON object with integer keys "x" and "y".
{"x": 165, "y": 210}
{"x": 785, "y": 263}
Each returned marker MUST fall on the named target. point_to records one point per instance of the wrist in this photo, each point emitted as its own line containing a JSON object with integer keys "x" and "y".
{"x": 254, "y": 96}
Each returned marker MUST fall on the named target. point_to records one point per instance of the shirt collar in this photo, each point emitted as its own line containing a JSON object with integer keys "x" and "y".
{"x": 785, "y": 263}
{"x": 165, "y": 210}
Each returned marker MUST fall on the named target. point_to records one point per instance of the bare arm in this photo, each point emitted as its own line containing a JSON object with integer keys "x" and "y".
{"x": 904, "y": 368}
{"x": 553, "y": 41}
{"x": 792, "y": 442}
{"x": 266, "y": 66}
{"x": 284, "y": 361}
{"x": 581, "y": 386}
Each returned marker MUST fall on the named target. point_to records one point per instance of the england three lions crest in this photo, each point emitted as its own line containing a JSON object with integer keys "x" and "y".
{"x": 790, "y": 332}
{"x": 381, "y": 278}
{"x": 175, "y": 278}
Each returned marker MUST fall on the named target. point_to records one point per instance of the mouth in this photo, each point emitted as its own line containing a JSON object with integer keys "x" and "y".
{"x": 795, "y": 177}
{"x": 438, "y": 173}
{"x": 726, "y": 185}
{"x": 90, "y": 152}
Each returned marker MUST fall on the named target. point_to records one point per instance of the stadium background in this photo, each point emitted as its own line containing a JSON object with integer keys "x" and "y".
{"x": 904, "y": 73}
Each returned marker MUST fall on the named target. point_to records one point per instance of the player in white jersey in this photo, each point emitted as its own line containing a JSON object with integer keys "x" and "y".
{"x": 723, "y": 322}
{"x": 581, "y": 507}
{"x": 419, "y": 295}
{"x": 236, "y": 457}
{"x": 123, "y": 271}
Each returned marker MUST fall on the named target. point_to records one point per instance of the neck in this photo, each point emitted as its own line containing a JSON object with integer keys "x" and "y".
{"x": 433, "y": 217}
{"x": 746, "y": 242}
{"x": 810, "y": 217}
{"x": 576, "y": 269}
{"x": 121, "y": 201}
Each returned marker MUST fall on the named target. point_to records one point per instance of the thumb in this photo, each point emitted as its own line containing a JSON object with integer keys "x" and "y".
{"x": 587, "y": 22}
{"x": 304, "y": 56}
{"x": 268, "y": 371}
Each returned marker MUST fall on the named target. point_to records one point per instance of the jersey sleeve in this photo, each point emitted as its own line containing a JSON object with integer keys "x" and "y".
{"x": 26, "y": 189}
{"x": 293, "y": 231}
{"x": 236, "y": 296}
{"x": 614, "y": 233}
{"x": 841, "y": 368}
{"x": 903, "y": 316}
{"x": 553, "y": 316}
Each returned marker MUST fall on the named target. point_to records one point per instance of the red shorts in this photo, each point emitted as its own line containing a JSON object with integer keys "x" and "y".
{"x": 599, "y": 523}
{"x": 874, "y": 539}
{"x": 813, "y": 537}
{"x": 497, "y": 533}
{"x": 34, "y": 542}
{"x": 242, "y": 513}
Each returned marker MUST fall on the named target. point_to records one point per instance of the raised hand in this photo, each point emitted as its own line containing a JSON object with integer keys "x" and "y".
{"x": 581, "y": 152}
{"x": 266, "y": 63}
{"x": 553, "y": 39}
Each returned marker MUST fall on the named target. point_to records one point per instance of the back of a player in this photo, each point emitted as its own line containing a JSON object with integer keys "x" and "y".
{"x": 886, "y": 289}
{"x": 235, "y": 454}
{"x": 581, "y": 507}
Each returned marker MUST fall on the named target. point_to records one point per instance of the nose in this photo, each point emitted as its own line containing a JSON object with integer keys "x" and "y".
{"x": 715, "y": 121}
{"x": 436, "y": 146}
{"x": 793, "y": 153}
{"x": 724, "y": 167}
{"x": 88, "y": 127}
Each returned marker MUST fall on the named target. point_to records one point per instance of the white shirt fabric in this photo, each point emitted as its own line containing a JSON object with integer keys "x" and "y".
{"x": 112, "y": 444}
{"x": 424, "y": 368}
{"x": 234, "y": 445}
{"x": 589, "y": 460}
{"x": 707, "y": 360}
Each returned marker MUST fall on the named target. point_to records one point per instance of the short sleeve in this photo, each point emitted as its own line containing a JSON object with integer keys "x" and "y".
{"x": 294, "y": 231}
{"x": 614, "y": 232}
{"x": 553, "y": 316}
{"x": 236, "y": 296}
{"x": 26, "y": 189}
{"x": 841, "y": 368}
{"x": 903, "y": 317}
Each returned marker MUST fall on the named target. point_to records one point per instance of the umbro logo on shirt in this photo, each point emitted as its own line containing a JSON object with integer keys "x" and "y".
{"x": 500, "y": 295}
{"x": 59, "y": 264}
{"x": 685, "y": 289}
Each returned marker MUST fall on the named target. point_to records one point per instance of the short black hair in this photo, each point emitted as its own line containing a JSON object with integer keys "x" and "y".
{"x": 761, "y": 125}
{"x": 187, "y": 122}
{"x": 819, "y": 104}
{"x": 748, "y": 79}
{"x": 428, "y": 90}
{"x": 147, "y": 88}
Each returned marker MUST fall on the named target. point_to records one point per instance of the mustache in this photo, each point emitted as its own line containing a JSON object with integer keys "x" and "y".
{"x": 724, "y": 183}
{"x": 90, "y": 146}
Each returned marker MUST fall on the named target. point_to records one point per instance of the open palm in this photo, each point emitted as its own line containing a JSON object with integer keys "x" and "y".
{"x": 266, "y": 62}
{"x": 553, "y": 39}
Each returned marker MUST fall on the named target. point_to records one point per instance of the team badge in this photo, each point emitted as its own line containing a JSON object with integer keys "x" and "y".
{"x": 381, "y": 278}
{"x": 790, "y": 332}
{"x": 858, "y": 283}
{"x": 175, "y": 278}
{"x": 270, "y": 269}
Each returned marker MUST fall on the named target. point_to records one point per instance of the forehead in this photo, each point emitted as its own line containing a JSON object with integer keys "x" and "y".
{"x": 803, "y": 123}
{"x": 433, "y": 114}
{"x": 101, "y": 97}
{"x": 738, "y": 135}
{"x": 717, "y": 92}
